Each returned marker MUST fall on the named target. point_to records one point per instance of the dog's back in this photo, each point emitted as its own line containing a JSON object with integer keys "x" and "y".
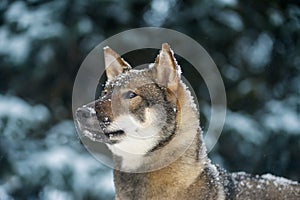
{"x": 266, "y": 186}
{"x": 241, "y": 185}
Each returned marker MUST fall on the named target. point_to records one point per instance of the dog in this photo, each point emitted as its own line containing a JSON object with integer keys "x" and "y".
{"x": 149, "y": 121}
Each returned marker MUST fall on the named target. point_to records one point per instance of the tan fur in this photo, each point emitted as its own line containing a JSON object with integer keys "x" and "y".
{"x": 173, "y": 181}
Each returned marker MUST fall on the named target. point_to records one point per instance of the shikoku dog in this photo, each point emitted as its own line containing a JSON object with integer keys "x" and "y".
{"x": 149, "y": 121}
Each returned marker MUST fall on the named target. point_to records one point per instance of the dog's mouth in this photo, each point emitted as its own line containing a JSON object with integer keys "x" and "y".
{"x": 115, "y": 135}
{"x": 101, "y": 135}
{"x": 98, "y": 135}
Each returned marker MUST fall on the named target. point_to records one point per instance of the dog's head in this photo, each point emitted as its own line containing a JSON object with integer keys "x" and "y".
{"x": 137, "y": 111}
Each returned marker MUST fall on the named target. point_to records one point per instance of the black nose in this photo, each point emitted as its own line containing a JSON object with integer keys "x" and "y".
{"x": 85, "y": 112}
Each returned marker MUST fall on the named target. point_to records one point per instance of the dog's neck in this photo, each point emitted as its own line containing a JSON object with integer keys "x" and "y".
{"x": 179, "y": 174}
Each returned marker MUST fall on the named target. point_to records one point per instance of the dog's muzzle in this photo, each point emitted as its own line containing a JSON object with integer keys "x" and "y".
{"x": 94, "y": 127}
{"x": 88, "y": 125}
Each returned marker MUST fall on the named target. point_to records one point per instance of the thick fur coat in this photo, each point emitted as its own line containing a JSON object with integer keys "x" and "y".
{"x": 149, "y": 121}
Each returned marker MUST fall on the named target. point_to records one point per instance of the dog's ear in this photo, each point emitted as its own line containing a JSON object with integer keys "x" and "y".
{"x": 166, "y": 71}
{"x": 114, "y": 64}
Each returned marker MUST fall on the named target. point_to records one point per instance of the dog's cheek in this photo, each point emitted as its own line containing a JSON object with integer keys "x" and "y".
{"x": 137, "y": 107}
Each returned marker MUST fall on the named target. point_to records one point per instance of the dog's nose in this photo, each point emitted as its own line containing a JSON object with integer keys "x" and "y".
{"x": 84, "y": 112}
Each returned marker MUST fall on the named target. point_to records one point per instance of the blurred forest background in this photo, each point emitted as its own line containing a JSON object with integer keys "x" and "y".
{"x": 255, "y": 44}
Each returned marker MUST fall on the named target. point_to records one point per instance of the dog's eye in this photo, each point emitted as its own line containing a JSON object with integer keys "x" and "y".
{"x": 129, "y": 95}
{"x": 104, "y": 92}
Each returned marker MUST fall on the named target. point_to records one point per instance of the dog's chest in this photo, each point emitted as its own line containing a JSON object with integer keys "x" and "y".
{"x": 151, "y": 185}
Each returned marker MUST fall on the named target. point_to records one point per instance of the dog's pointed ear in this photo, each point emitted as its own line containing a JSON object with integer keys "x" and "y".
{"x": 114, "y": 64}
{"x": 166, "y": 71}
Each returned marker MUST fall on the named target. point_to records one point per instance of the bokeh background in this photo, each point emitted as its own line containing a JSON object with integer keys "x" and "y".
{"x": 255, "y": 44}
